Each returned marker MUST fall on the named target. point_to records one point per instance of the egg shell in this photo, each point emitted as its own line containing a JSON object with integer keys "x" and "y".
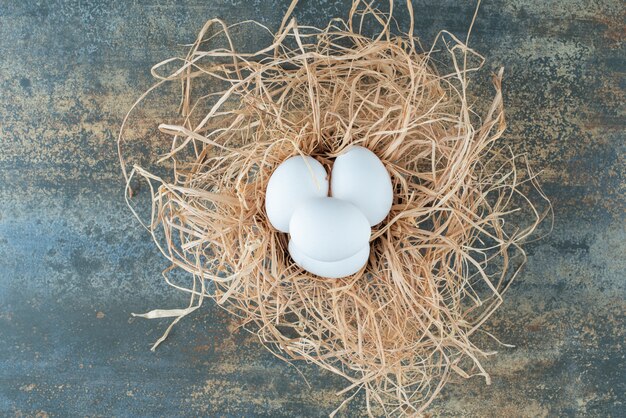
{"x": 360, "y": 178}
{"x": 330, "y": 269}
{"x": 293, "y": 182}
{"x": 328, "y": 229}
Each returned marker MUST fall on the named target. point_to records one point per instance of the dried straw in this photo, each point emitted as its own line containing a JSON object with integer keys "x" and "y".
{"x": 402, "y": 327}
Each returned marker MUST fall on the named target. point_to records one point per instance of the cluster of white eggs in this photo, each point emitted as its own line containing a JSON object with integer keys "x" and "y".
{"x": 330, "y": 227}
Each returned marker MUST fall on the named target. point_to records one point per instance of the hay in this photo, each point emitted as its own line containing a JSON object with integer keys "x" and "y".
{"x": 402, "y": 327}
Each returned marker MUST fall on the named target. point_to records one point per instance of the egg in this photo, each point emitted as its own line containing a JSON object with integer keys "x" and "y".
{"x": 295, "y": 180}
{"x": 360, "y": 178}
{"x": 330, "y": 269}
{"x": 328, "y": 229}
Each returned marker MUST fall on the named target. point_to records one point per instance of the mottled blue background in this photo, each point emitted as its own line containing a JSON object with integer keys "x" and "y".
{"x": 74, "y": 264}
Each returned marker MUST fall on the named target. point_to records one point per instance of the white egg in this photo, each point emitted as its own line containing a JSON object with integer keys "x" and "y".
{"x": 328, "y": 229}
{"x": 295, "y": 180}
{"x": 330, "y": 269}
{"x": 360, "y": 178}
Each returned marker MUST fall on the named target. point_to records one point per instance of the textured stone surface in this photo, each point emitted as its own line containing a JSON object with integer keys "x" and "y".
{"x": 74, "y": 264}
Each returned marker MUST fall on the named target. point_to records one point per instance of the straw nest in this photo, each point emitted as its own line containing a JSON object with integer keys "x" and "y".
{"x": 402, "y": 327}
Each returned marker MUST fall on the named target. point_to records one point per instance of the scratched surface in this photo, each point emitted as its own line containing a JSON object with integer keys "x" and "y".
{"x": 73, "y": 264}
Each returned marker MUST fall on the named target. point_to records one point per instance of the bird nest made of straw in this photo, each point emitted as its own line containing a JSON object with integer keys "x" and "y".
{"x": 401, "y": 327}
